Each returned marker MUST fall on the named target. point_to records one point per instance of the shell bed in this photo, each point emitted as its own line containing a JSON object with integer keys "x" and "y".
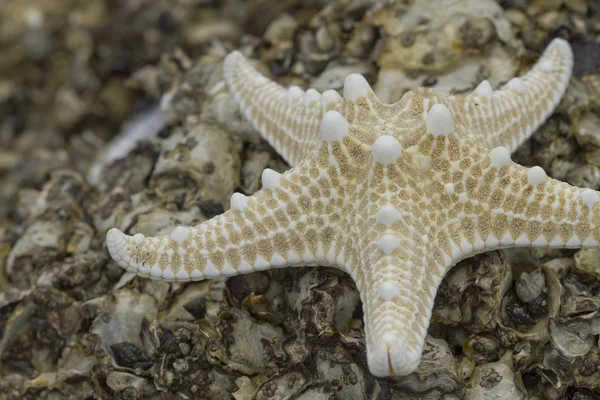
{"x": 393, "y": 194}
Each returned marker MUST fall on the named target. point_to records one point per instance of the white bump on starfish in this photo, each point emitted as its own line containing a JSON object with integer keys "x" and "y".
{"x": 180, "y": 234}
{"x": 516, "y": 84}
{"x": 484, "y": 89}
{"x": 227, "y": 270}
{"x": 245, "y": 267}
{"x": 386, "y": 149}
{"x": 589, "y": 197}
{"x": 500, "y": 157}
{"x": 156, "y": 272}
{"x": 238, "y": 201}
{"x": 356, "y": 87}
{"x": 182, "y": 275}
{"x": 168, "y": 275}
{"x": 439, "y": 120}
{"x": 388, "y": 243}
{"x": 138, "y": 238}
{"x": 330, "y": 99}
{"x": 388, "y": 215}
{"x": 197, "y": 275}
{"x": 210, "y": 271}
{"x": 294, "y": 92}
{"x": 334, "y": 127}
{"x": 270, "y": 179}
{"x": 449, "y": 188}
{"x": 536, "y": 175}
{"x": 388, "y": 291}
{"x": 311, "y": 96}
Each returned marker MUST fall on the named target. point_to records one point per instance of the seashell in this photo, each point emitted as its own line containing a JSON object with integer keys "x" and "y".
{"x": 516, "y": 317}
{"x": 494, "y": 380}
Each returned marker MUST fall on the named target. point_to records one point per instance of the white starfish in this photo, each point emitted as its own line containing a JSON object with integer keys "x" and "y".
{"x": 393, "y": 194}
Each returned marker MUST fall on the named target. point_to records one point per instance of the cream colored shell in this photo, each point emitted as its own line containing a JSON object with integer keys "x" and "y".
{"x": 393, "y": 194}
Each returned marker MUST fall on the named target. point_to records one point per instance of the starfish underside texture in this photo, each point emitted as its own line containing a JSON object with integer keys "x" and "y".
{"x": 393, "y": 194}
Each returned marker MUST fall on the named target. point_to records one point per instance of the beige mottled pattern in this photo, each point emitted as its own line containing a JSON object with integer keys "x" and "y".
{"x": 395, "y": 196}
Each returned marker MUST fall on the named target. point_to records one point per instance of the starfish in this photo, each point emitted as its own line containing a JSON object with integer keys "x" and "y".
{"x": 393, "y": 194}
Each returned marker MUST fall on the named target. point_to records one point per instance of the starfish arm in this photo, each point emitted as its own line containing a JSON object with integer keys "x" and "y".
{"x": 508, "y": 116}
{"x": 287, "y": 223}
{"x": 399, "y": 267}
{"x": 288, "y": 119}
{"x": 398, "y": 279}
{"x": 515, "y": 206}
{"x": 398, "y": 298}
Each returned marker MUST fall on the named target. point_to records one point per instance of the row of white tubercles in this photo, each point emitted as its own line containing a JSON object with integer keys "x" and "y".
{"x": 180, "y": 235}
{"x": 329, "y": 99}
{"x": 500, "y": 157}
{"x": 271, "y": 180}
{"x": 439, "y": 122}
{"x": 484, "y": 89}
{"x": 386, "y": 150}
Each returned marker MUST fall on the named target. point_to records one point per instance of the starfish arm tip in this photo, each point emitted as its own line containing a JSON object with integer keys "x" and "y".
{"x": 230, "y": 63}
{"x": 287, "y": 118}
{"x": 390, "y": 357}
{"x": 115, "y": 242}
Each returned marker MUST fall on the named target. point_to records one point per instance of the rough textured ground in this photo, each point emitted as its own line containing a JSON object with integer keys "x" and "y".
{"x": 115, "y": 114}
